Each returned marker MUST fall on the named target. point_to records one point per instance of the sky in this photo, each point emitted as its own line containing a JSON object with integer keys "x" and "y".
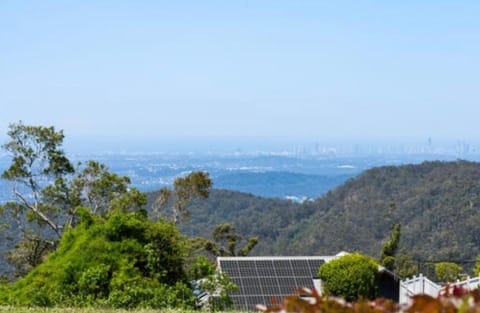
{"x": 270, "y": 68}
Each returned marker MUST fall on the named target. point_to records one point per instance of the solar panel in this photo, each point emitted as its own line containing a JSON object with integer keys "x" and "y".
{"x": 260, "y": 279}
{"x": 301, "y": 268}
{"x": 314, "y": 265}
{"x": 265, "y": 268}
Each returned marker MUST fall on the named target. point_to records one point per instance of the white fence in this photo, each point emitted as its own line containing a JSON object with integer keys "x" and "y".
{"x": 415, "y": 286}
{"x": 469, "y": 283}
{"x": 423, "y": 285}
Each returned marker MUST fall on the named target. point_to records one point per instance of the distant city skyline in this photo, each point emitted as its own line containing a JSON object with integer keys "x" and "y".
{"x": 281, "y": 146}
{"x": 323, "y": 70}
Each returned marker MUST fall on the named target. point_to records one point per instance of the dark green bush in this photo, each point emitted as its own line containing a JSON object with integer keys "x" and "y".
{"x": 200, "y": 268}
{"x": 352, "y": 276}
{"x": 94, "y": 281}
{"x": 147, "y": 293}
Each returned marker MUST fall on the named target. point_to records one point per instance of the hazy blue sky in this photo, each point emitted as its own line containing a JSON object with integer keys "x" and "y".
{"x": 242, "y": 68}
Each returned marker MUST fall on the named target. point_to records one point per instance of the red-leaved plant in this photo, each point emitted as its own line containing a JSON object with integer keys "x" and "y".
{"x": 452, "y": 300}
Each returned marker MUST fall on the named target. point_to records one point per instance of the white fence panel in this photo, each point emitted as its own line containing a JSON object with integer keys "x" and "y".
{"x": 423, "y": 285}
{"x": 415, "y": 286}
{"x": 469, "y": 283}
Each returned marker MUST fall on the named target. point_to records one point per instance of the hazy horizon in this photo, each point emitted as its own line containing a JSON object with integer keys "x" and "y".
{"x": 152, "y": 143}
{"x": 256, "y": 144}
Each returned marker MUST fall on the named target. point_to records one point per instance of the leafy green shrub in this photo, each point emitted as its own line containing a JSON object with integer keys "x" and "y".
{"x": 41, "y": 298}
{"x": 447, "y": 271}
{"x": 147, "y": 293}
{"x": 200, "y": 268}
{"x": 351, "y": 276}
{"x": 219, "y": 285}
{"x": 94, "y": 281}
{"x": 124, "y": 261}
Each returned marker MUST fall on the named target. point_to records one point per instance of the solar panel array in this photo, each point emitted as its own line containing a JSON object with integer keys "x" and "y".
{"x": 259, "y": 280}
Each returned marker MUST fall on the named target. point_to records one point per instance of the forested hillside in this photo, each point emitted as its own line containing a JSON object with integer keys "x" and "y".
{"x": 437, "y": 204}
{"x": 270, "y": 219}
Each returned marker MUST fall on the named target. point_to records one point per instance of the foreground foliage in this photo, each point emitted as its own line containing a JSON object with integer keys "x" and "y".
{"x": 458, "y": 300}
{"x": 122, "y": 261}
